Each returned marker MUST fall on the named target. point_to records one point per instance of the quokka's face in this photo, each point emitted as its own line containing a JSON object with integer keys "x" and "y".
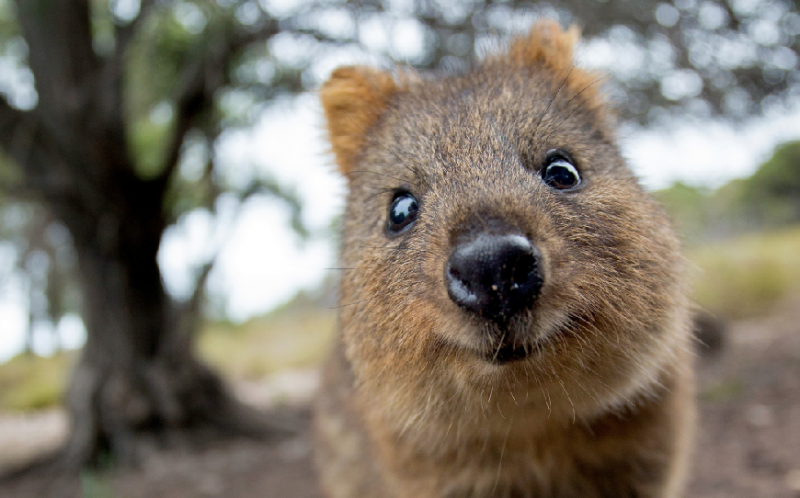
{"x": 492, "y": 223}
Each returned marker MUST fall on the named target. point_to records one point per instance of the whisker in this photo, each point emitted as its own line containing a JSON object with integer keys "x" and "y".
{"x": 569, "y": 398}
{"x": 348, "y": 304}
{"x": 502, "y": 453}
{"x": 380, "y": 192}
{"x": 579, "y": 106}
{"x": 547, "y": 109}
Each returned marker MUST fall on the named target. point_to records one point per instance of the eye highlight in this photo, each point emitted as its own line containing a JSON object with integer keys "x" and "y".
{"x": 559, "y": 172}
{"x": 403, "y": 211}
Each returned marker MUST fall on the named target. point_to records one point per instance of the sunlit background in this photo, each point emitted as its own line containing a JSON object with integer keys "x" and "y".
{"x": 708, "y": 97}
{"x": 263, "y": 263}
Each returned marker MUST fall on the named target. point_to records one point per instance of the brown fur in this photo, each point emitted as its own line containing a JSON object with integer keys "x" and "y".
{"x": 410, "y": 405}
{"x": 353, "y": 99}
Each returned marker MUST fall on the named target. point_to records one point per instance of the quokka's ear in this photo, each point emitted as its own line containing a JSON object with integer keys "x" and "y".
{"x": 550, "y": 48}
{"x": 546, "y": 43}
{"x": 353, "y": 99}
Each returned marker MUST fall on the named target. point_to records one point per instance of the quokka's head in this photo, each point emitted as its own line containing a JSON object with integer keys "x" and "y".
{"x": 491, "y": 224}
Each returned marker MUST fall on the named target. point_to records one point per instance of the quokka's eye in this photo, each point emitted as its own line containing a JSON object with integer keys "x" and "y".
{"x": 559, "y": 172}
{"x": 403, "y": 211}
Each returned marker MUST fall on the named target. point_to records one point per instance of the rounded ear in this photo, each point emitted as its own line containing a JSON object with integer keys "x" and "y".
{"x": 550, "y": 48}
{"x": 353, "y": 99}
{"x": 546, "y": 43}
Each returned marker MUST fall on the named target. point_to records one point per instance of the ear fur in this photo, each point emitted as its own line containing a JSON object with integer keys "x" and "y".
{"x": 548, "y": 46}
{"x": 546, "y": 43}
{"x": 353, "y": 99}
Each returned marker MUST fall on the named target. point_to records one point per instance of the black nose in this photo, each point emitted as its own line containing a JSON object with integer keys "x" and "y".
{"x": 494, "y": 276}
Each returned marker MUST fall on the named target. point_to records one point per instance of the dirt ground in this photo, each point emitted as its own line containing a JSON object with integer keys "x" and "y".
{"x": 748, "y": 442}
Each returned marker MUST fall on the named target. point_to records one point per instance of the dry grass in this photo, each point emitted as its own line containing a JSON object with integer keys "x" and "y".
{"x": 744, "y": 277}
{"x": 30, "y": 382}
{"x": 263, "y": 346}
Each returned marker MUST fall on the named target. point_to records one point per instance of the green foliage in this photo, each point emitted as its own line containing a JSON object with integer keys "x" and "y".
{"x": 780, "y": 175}
{"x": 775, "y": 188}
{"x": 96, "y": 484}
{"x": 688, "y": 206}
{"x": 155, "y": 61}
{"x": 168, "y": 46}
{"x": 8, "y": 26}
{"x": 744, "y": 252}
{"x": 187, "y": 70}
{"x": 149, "y": 140}
{"x": 174, "y": 43}
{"x": 770, "y": 198}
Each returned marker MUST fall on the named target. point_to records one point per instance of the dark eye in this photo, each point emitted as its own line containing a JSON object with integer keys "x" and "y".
{"x": 560, "y": 174}
{"x": 403, "y": 211}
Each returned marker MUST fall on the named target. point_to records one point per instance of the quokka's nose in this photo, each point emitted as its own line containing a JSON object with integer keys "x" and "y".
{"x": 494, "y": 276}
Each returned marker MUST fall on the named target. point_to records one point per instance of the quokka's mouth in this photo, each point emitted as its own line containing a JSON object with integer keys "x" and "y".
{"x": 499, "y": 346}
{"x": 511, "y": 351}
{"x": 523, "y": 339}
{"x": 507, "y": 353}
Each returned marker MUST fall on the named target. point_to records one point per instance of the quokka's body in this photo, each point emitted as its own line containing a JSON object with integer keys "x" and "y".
{"x": 513, "y": 317}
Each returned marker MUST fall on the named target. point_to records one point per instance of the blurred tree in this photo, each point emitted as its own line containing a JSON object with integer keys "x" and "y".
{"x": 687, "y": 205}
{"x": 46, "y": 259}
{"x": 733, "y": 58}
{"x": 705, "y": 58}
{"x": 46, "y": 264}
{"x": 113, "y": 109}
{"x": 123, "y": 92}
{"x": 774, "y": 189}
{"x": 769, "y": 198}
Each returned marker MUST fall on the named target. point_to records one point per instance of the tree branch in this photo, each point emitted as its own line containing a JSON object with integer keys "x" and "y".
{"x": 45, "y": 173}
{"x": 61, "y": 55}
{"x": 79, "y": 113}
{"x": 18, "y": 131}
{"x": 126, "y": 33}
{"x": 200, "y": 81}
{"x": 192, "y": 307}
{"x": 10, "y": 120}
{"x": 198, "y": 84}
{"x": 272, "y": 188}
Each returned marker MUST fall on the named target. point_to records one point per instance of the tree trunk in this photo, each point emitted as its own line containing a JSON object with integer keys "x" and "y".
{"x": 137, "y": 373}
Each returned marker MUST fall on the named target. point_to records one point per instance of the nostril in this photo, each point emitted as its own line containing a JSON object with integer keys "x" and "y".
{"x": 460, "y": 289}
{"x": 494, "y": 276}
